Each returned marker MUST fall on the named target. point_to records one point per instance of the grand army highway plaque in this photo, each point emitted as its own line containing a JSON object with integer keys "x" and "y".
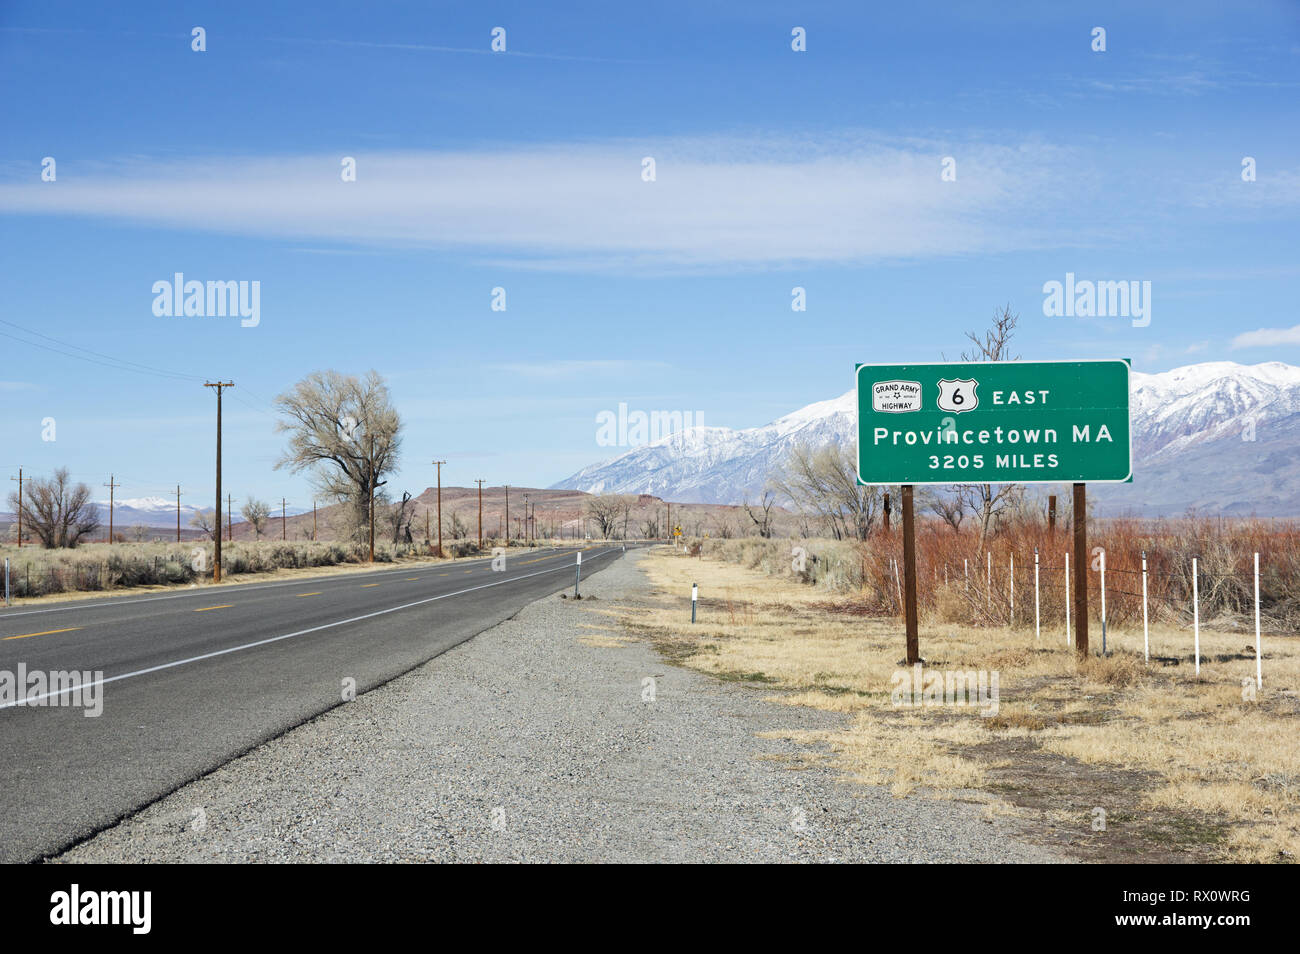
{"x": 994, "y": 422}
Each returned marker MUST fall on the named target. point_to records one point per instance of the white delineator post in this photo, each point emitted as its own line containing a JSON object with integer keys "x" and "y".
{"x": 1037, "y": 628}
{"x": 1196, "y": 616}
{"x": 577, "y": 577}
{"x": 965, "y": 569}
{"x": 1146, "y": 633}
{"x": 695, "y": 595}
{"x": 1067, "y": 599}
{"x": 1259, "y": 668}
{"x": 1012, "y": 584}
{"x": 898, "y": 584}
{"x": 1103, "y": 602}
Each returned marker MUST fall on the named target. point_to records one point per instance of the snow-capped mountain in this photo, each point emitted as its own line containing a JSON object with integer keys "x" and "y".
{"x": 161, "y": 512}
{"x": 1201, "y": 403}
{"x": 1218, "y": 436}
{"x": 146, "y": 511}
{"x": 718, "y": 464}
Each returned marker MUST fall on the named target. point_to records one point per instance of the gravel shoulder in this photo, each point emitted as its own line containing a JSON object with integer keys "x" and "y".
{"x": 541, "y": 740}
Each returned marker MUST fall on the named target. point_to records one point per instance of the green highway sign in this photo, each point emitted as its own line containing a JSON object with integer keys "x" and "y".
{"x": 994, "y": 422}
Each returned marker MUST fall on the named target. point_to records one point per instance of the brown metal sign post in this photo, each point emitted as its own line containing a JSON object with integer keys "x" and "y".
{"x": 909, "y": 577}
{"x": 1081, "y": 569}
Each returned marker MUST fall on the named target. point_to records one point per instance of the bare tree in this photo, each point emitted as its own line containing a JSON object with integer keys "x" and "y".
{"x": 606, "y": 511}
{"x": 996, "y": 343}
{"x": 988, "y": 501}
{"x": 626, "y": 505}
{"x": 950, "y": 507}
{"x": 344, "y": 430}
{"x": 206, "y": 521}
{"x": 764, "y": 521}
{"x": 58, "y": 513}
{"x": 400, "y": 516}
{"x": 256, "y": 512}
{"x": 824, "y": 483}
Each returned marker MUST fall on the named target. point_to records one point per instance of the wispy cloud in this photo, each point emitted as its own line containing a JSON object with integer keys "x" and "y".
{"x": 1267, "y": 337}
{"x": 756, "y": 201}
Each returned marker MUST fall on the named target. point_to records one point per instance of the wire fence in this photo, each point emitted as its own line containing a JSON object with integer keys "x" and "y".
{"x": 1047, "y": 595}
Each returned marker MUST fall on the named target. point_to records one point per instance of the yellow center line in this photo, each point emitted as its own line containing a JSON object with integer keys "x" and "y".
{"x": 317, "y": 593}
{"x": 409, "y": 578}
{"x": 222, "y": 606}
{"x": 47, "y": 632}
{"x": 444, "y": 574}
{"x": 372, "y": 584}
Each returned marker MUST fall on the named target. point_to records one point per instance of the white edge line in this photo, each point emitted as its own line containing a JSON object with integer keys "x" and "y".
{"x": 28, "y": 700}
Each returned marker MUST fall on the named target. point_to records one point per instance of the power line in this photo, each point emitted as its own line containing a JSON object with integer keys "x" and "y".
{"x": 116, "y": 363}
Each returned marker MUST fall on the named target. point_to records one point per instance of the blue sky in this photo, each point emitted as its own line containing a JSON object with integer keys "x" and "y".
{"x": 523, "y": 170}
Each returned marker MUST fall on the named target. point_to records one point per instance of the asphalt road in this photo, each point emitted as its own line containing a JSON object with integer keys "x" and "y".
{"x": 194, "y": 679}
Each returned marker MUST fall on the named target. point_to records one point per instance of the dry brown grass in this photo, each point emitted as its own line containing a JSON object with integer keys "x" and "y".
{"x": 1185, "y": 767}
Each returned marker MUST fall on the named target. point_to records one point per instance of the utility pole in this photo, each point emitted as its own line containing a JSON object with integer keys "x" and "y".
{"x": 230, "y": 518}
{"x": 371, "y": 480}
{"x": 440, "y": 463}
{"x": 313, "y": 520}
{"x": 283, "y": 522}
{"x": 507, "y": 515}
{"x": 19, "y": 478}
{"x": 525, "y": 519}
{"x": 111, "y": 487}
{"x": 479, "y": 481}
{"x": 216, "y": 537}
{"x": 178, "y": 514}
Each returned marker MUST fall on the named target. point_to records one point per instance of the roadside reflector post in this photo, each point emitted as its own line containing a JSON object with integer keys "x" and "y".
{"x": 1067, "y": 599}
{"x": 695, "y": 595}
{"x": 577, "y": 578}
{"x": 1146, "y": 632}
{"x": 1103, "y": 601}
{"x": 909, "y": 577}
{"x": 1037, "y": 627}
{"x": 1081, "y": 569}
{"x": 1256, "y": 593}
{"x": 1259, "y": 670}
{"x": 1011, "y": 615}
{"x": 898, "y": 582}
{"x": 1196, "y": 617}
